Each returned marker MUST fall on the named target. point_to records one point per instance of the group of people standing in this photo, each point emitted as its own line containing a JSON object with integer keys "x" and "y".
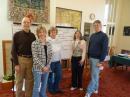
{"x": 38, "y": 60}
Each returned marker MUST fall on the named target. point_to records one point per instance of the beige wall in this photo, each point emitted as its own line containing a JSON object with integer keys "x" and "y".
{"x": 123, "y": 15}
{"x": 86, "y": 6}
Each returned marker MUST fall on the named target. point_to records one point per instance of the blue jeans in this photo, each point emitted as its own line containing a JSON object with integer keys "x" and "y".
{"x": 40, "y": 84}
{"x": 54, "y": 76}
{"x": 94, "y": 70}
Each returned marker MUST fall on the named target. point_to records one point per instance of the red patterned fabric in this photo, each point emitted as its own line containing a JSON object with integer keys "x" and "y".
{"x": 113, "y": 83}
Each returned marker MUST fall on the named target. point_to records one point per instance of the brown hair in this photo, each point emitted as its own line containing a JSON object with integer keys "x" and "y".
{"x": 80, "y": 35}
{"x": 39, "y": 28}
{"x": 97, "y": 21}
{"x": 52, "y": 29}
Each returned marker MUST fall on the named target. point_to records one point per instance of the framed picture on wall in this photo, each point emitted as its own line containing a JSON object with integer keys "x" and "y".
{"x": 7, "y": 65}
{"x": 38, "y": 10}
{"x": 68, "y": 17}
{"x": 126, "y": 31}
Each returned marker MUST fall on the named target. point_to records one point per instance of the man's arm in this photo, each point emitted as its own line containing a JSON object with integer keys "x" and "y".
{"x": 14, "y": 51}
{"x": 104, "y": 48}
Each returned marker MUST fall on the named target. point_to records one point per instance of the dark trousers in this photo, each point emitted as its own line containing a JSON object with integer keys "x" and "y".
{"x": 54, "y": 76}
{"x": 77, "y": 72}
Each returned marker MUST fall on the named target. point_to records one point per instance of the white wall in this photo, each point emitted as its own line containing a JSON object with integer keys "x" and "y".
{"x": 5, "y": 29}
{"x": 86, "y": 6}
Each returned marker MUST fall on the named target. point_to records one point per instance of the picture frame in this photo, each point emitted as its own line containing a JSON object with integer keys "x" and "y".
{"x": 7, "y": 65}
{"x": 126, "y": 31}
{"x": 37, "y": 10}
{"x": 68, "y": 17}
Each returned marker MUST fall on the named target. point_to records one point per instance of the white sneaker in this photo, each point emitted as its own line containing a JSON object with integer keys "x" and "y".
{"x": 81, "y": 89}
{"x": 96, "y": 91}
{"x": 101, "y": 68}
{"x": 87, "y": 95}
{"x": 72, "y": 88}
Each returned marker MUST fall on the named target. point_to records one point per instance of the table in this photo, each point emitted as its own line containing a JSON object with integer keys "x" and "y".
{"x": 6, "y": 85}
{"x": 117, "y": 60}
{"x": 66, "y": 63}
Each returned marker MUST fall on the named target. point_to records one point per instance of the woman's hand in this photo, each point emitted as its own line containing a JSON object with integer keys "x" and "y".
{"x": 45, "y": 69}
{"x": 81, "y": 63}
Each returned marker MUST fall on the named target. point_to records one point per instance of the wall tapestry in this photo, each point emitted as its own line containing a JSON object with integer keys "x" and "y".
{"x": 68, "y": 16}
{"x": 39, "y": 10}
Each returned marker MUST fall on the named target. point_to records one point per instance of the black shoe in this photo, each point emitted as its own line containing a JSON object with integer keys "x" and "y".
{"x": 59, "y": 91}
{"x": 52, "y": 92}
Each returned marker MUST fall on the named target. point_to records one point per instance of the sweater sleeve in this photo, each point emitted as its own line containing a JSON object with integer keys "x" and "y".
{"x": 14, "y": 50}
{"x": 36, "y": 60}
{"x": 83, "y": 46}
{"x": 104, "y": 48}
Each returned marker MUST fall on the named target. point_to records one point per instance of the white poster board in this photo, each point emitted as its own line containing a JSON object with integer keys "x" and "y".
{"x": 65, "y": 35}
{"x": 18, "y": 27}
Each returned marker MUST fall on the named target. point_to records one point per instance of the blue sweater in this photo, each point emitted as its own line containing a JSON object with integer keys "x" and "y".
{"x": 98, "y": 46}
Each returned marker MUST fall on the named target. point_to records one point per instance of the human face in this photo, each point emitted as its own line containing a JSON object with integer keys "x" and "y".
{"x": 77, "y": 35}
{"x": 53, "y": 34}
{"x": 97, "y": 27}
{"x": 26, "y": 23}
{"x": 42, "y": 34}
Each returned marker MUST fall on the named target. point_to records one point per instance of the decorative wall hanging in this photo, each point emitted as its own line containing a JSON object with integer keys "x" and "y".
{"x": 38, "y": 9}
{"x": 69, "y": 16}
{"x": 126, "y": 31}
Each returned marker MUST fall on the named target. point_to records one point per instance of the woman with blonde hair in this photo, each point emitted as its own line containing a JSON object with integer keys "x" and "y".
{"x": 42, "y": 54}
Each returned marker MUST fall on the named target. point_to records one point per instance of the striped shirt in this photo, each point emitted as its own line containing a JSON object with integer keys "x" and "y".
{"x": 39, "y": 56}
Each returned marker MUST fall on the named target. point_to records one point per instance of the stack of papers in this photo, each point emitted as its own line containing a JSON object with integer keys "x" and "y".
{"x": 123, "y": 55}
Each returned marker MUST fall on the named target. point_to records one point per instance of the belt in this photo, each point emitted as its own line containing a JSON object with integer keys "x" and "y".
{"x": 26, "y": 56}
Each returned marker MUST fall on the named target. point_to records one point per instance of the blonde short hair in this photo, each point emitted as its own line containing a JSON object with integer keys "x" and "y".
{"x": 39, "y": 28}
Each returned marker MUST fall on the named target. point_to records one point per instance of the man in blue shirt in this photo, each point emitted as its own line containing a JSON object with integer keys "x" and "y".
{"x": 97, "y": 51}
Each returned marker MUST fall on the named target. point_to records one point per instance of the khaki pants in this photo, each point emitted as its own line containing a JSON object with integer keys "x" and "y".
{"x": 24, "y": 74}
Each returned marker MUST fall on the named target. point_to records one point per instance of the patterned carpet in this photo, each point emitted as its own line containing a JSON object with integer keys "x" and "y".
{"x": 113, "y": 83}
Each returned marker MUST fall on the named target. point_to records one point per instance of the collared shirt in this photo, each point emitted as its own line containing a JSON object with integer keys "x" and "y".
{"x": 22, "y": 44}
{"x": 39, "y": 55}
{"x": 56, "y": 48}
